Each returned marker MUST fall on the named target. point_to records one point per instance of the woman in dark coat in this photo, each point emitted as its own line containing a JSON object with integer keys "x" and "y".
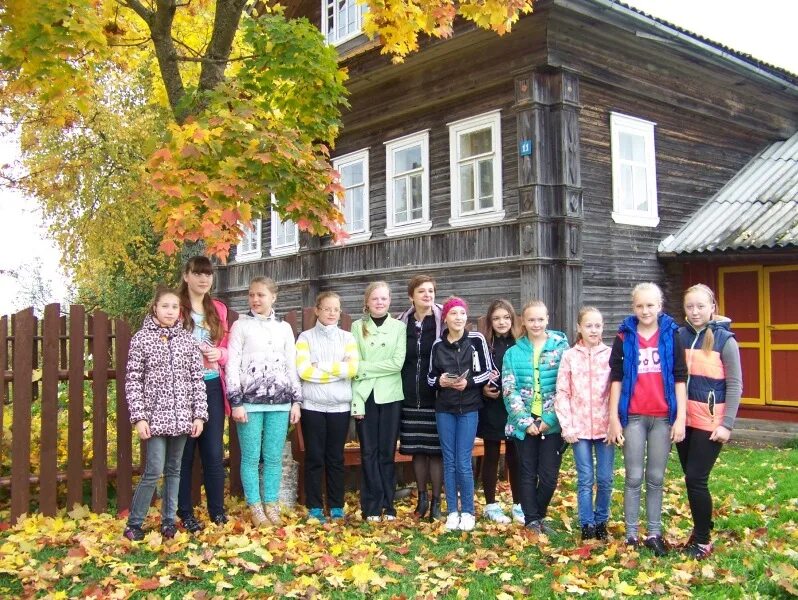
{"x": 419, "y": 433}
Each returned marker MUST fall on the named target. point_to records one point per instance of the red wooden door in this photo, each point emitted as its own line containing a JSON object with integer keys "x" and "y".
{"x": 740, "y": 299}
{"x": 781, "y": 335}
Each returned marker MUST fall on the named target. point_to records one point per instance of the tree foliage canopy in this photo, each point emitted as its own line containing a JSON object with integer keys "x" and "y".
{"x": 172, "y": 121}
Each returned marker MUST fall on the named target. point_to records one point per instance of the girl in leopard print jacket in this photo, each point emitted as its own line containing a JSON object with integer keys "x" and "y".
{"x": 166, "y": 398}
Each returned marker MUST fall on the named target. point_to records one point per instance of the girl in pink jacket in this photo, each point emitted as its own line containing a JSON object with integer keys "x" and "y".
{"x": 582, "y": 407}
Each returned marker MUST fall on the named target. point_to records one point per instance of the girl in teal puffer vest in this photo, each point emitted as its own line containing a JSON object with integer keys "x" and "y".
{"x": 529, "y": 384}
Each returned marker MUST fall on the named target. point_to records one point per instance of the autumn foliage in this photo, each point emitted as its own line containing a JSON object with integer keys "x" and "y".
{"x": 80, "y": 554}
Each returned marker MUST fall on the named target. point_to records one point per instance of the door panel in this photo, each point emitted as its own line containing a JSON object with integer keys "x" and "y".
{"x": 781, "y": 333}
{"x": 740, "y": 299}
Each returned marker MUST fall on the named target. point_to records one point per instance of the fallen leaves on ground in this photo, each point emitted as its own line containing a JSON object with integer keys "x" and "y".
{"x": 81, "y": 554}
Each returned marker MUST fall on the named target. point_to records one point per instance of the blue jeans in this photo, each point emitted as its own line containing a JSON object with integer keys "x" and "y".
{"x": 588, "y": 472}
{"x": 163, "y": 456}
{"x": 262, "y": 438}
{"x": 457, "y": 433}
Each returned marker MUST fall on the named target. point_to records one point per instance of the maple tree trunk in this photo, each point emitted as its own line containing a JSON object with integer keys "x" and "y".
{"x": 225, "y": 25}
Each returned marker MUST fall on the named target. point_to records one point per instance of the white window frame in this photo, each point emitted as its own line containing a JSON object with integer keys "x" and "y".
{"x": 346, "y": 160}
{"x": 282, "y": 249}
{"x": 332, "y": 35}
{"x": 456, "y": 129}
{"x": 620, "y": 123}
{"x": 244, "y": 250}
{"x": 423, "y": 224}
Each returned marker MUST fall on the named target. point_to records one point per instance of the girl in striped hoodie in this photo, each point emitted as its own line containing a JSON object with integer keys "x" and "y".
{"x": 326, "y": 358}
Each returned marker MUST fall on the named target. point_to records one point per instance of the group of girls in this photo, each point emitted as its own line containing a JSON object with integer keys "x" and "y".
{"x": 425, "y": 379}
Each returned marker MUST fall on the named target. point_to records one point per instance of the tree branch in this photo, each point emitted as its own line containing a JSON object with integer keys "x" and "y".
{"x": 186, "y": 46}
{"x": 138, "y": 8}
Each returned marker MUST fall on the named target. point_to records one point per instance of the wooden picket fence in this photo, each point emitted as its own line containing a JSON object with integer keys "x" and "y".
{"x": 35, "y": 356}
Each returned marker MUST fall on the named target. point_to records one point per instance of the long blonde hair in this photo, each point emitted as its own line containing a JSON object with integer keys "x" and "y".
{"x": 709, "y": 336}
{"x": 369, "y": 290}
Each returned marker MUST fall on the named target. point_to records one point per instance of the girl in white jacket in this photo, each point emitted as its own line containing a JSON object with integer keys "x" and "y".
{"x": 265, "y": 393}
{"x": 327, "y": 361}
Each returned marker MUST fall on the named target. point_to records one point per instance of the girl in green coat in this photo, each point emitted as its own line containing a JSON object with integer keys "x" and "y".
{"x": 377, "y": 399}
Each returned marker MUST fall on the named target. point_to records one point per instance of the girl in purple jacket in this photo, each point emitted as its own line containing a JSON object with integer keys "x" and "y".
{"x": 166, "y": 398}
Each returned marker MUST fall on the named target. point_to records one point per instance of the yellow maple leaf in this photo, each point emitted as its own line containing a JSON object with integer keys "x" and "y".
{"x": 627, "y": 589}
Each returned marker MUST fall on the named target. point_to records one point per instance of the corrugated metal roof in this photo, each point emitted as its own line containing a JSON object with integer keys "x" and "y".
{"x": 758, "y": 208}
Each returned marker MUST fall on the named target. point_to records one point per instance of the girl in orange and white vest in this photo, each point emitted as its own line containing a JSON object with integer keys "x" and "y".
{"x": 714, "y": 387}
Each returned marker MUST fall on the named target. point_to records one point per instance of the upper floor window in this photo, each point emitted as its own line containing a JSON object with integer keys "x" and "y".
{"x": 407, "y": 184}
{"x": 475, "y": 158}
{"x": 285, "y": 235}
{"x": 634, "y": 171}
{"x": 342, "y": 19}
{"x": 354, "y": 170}
{"x": 249, "y": 246}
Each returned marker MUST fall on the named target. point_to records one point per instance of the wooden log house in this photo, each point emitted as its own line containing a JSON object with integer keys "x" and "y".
{"x": 551, "y": 162}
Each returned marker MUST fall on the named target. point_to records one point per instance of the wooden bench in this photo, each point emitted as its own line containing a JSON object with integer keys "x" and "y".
{"x": 351, "y": 456}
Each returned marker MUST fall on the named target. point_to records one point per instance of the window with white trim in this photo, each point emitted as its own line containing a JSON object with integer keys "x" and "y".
{"x": 475, "y": 158}
{"x": 407, "y": 184}
{"x": 634, "y": 171}
{"x": 354, "y": 170}
{"x": 249, "y": 246}
{"x": 285, "y": 235}
{"x": 342, "y": 20}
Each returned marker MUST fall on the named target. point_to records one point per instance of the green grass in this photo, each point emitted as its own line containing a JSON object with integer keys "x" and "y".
{"x": 756, "y": 551}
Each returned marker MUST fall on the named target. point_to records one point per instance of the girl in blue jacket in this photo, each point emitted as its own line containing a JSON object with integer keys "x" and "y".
{"x": 529, "y": 384}
{"x": 647, "y": 407}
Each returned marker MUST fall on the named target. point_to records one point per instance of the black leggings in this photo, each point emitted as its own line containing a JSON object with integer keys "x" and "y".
{"x": 698, "y": 454}
{"x": 490, "y": 469}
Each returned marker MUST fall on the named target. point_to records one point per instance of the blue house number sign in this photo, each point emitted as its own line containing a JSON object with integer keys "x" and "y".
{"x": 525, "y": 148}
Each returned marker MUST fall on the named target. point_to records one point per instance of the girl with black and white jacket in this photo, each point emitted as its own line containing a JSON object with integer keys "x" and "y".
{"x": 460, "y": 366}
{"x": 265, "y": 394}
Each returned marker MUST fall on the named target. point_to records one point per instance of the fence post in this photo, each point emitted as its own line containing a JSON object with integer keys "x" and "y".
{"x": 23, "y": 331}
{"x": 124, "y": 437}
{"x": 99, "y": 438}
{"x": 77, "y": 345}
{"x": 4, "y": 367}
{"x": 48, "y": 459}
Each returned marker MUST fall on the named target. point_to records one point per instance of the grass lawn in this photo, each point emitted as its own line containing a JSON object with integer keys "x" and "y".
{"x": 756, "y": 551}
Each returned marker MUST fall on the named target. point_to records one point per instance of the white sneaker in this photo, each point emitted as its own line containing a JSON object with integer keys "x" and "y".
{"x": 453, "y": 521}
{"x": 495, "y": 513}
{"x": 389, "y": 517}
{"x": 374, "y": 518}
{"x": 467, "y": 522}
{"x": 518, "y": 514}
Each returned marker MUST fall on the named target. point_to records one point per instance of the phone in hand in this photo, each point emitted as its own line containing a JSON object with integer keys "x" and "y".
{"x": 455, "y": 377}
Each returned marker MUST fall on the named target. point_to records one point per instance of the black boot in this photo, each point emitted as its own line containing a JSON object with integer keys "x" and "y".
{"x": 601, "y": 531}
{"x": 423, "y": 505}
{"x": 435, "y": 509}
